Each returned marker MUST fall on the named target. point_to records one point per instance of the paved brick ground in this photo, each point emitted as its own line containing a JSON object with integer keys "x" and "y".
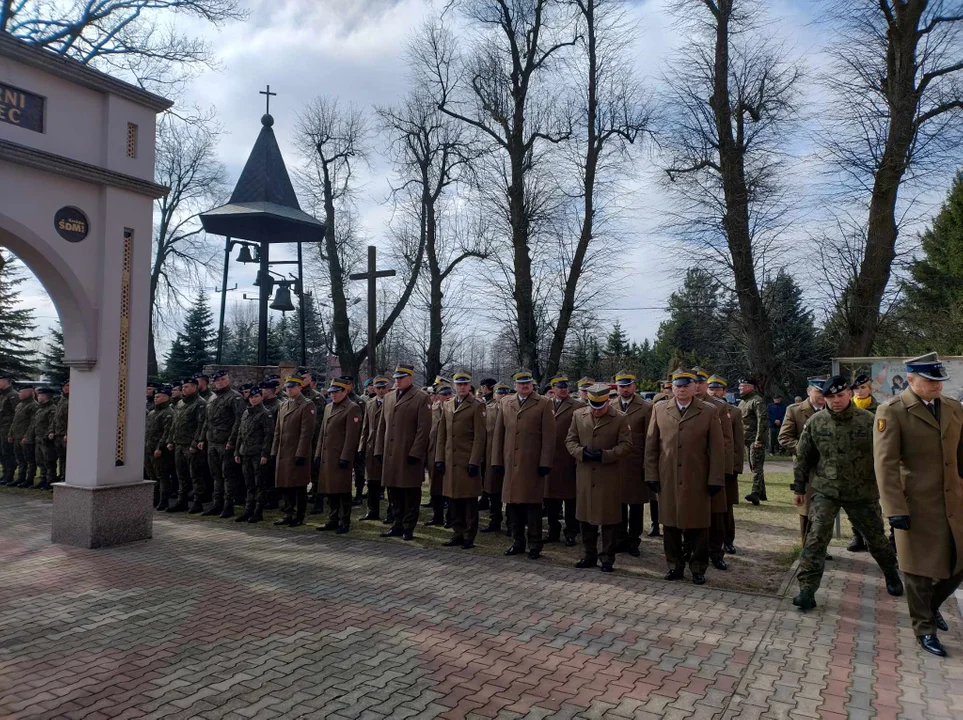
{"x": 212, "y": 620}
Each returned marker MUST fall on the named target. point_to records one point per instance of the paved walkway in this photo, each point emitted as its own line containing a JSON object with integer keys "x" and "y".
{"x": 213, "y": 620}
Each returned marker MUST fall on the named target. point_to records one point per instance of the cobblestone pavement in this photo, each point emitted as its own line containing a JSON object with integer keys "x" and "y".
{"x": 213, "y": 620}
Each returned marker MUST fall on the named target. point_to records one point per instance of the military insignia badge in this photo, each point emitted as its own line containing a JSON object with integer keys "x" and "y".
{"x": 356, "y": 419}
{"x": 880, "y": 425}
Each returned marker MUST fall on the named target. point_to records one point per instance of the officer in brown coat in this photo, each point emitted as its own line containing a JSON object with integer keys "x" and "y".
{"x": 524, "y": 449}
{"x": 292, "y": 452}
{"x": 583, "y": 385}
{"x": 560, "y": 483}
{"x": 335, "y": 453}
{"x": 918, "y": 454}
{"x": 366, "y": 445}
{"x": 599, "y": 438}
{"x": 635, "y": 493}
{"x": 792, "y": 426}
{"x": 436, "y": 494}
{"x": 719, "y": 505}
{"x": 459, "y": 452}
{"x": 717, "y": 390}
{"x": 685, "y": 465}
{"x": 494, "y": 480}
{"x": 402, "y": 446}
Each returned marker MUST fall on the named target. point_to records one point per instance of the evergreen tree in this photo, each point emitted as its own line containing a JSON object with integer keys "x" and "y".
{"x": 692, "y": 333}
{"x": 193, "y": 348}
{"x": 17, "y": 354}
{"x": 934, "y": 292}
{"x": 53, "y": 358}
{"x": 616, "y": 342}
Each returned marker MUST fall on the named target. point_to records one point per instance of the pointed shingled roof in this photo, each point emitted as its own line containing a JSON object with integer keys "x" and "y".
{"x": 263, "y": 205}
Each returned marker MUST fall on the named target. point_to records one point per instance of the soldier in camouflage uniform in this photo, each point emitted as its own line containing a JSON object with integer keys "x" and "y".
{"x": 21, "y": 438}
{"x": 186, "y": 431}
{"x": 43, "y": 444}
{"x": 835, "y": 453}
{"x": 224, "y": 410}
{"x": 8, "y": 406}
{"x": 59, "y": 429}
{"x": 159, "y": 421}
{"x": 755, "y": 423}
{"x": 252, "y": 440}
{"x": 271, "y": 403}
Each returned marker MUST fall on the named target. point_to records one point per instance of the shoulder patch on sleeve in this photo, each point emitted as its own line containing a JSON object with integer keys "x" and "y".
{"x": 880, "y": 424}
{"x": 357, "y": 419}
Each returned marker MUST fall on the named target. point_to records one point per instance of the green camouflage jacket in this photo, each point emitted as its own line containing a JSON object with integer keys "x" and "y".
{"x": 59, "y": 425}
{"x": 255, "y": 433}
{"x": 42, "y": 422}
{"x": 159, "y": 421}
{"x": 224, "y": 411}
{"x": 188, "y": 425}
{"x": 23, "y": 420}
{"x": 8, "y": 406}
{"x": 755, "y": 419}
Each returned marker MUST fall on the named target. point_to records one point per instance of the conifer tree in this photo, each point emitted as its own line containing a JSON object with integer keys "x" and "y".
{"x": 53, "y": 358}
{"x": 17, "y": 354}
{"x": 192, "y": 349}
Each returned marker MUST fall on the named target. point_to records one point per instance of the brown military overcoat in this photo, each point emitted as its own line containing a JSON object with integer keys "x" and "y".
{"x": 792, "y": 426}
{"x": 369, "y": 433}
{"x": 560, "y": 483}
{"x": 292, "y": 438}
{"x": 718, "y": 501}
{"x": 686, "y": 453}
{"x": 599, "y": 485}
{"x": 435, "y": 479}
{"x": 919, "y": 462}
{"x": 493, "y": 481}
{"x": 524, "y": 441}
{"x": 338, "y": 440}
{"x": 461, "y": 442}
{"x": 403, "y": 432}
{"x": 632, "y": 465}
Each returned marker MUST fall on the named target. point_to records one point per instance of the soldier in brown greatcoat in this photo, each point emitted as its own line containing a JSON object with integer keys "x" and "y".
{"x": 719, "y": 504}
{"x": 635, "y": 493}
{"x": 662, "y": 396}
{"x": 292, "y": 452}
{"x": 685, "y": 465}
{"x": 524, "y": 449}
{"x": 792, "y": 426}
{"x": 717, "y": 390}
{"x": 598, "y": 439}
{"x": 335, "y": 454}
{"x": 494, "y": 480}
{"x": 366, "y": 445}
{"x": 402, "y": 446}
{"x": 918, "y": 454}
{"x": 460, "y": 449}
{"x": 436, "y": 495}
{"x": 560, "y": 483}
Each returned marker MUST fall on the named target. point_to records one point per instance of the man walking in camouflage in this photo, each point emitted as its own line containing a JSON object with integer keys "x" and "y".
{"x": 836, "y": 446}
{"x": 755, "y": 421}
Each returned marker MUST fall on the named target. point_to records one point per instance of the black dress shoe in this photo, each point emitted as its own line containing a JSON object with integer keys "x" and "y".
{"x": 296, "y": 523}
{"x": 341, "y": 531}
{"x": 492, "y": 528}
{"x": 931, "y": 644}
{"x": 284, "y": 521}
{"x": 257, "y": 517}
{"x": 633, "y": 551}
{"x": 454, "y": 542}
{"x": 393, "y": 532}
{"x": 894, "y": 585}
{"x": 654, "y": 531}
{"x": 762, "y": 496}
{"x": 534, "y": 554}
{"x": 245, "y": 516}
{"x": 467, "y": 545}
{"x": 434, "y": 521}
{"x": 583, "y": 563}
{"x": 388, "y": 521}
{"x": 177, "y": 507}
{"x": 674, "y": 574}
{"x": 608, "y": 567}
{"x": 371, "y": 516}
{"x": 570, "y": 542}
{"x": 730, "y": 549}
{"x": 328, "y": 526}
{"x": 720, "y": 564}
{"x": 408, "y": 535}
{"x": 940, "y": 622}
{"x": 698, "y": 579}
{"x": 754, "y": 499}
{"x": 515, "y": 550}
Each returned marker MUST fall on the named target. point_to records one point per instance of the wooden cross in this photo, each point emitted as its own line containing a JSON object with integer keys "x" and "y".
{"x": 269, "y": 95}
{"x": 372, "y": 277}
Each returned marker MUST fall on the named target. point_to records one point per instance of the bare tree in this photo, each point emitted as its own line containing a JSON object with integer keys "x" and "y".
{"x": 186, "y": 162}
{"x": 730, "y": 108}
{"x": 503, "y": 87}
{"x": 431, "y": 154}
{"x": 611, "y": 115}
{"x": 137, "y": 38}
{"x": 332, "y": 140}
{"x": 896, "y": 121}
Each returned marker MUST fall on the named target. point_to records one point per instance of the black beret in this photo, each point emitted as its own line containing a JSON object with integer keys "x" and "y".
{"x": 834, "y": 385}
{"x": 860, "y": 379}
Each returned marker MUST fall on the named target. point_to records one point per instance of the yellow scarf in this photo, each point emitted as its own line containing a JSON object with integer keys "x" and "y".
{"x": 863, "y": 403}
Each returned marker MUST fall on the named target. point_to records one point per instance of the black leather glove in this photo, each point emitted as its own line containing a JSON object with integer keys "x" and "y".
{"x": 499, "y": 469}
{"x": 412, "y": 460}
{"x": 715, "y": 490}
{"x": 317, "y": 462}
{"x": 359, "y": 456}
{"x": 440, "y": 467}
{"x": 899, "y": 522}
{"x": 343, "y": 464}
{"x": 380, "y": 458}
{"x": 654, "y": 485}
{"x": 472, "y": 471}
{"x": 543, "y": 471}
{"x": 298, "y": 460}
{"x": 730, "y": 477}
{"x": 589, "y": 455}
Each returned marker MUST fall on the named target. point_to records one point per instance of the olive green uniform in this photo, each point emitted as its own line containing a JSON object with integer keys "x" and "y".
{"x": 187, "y": 428}
{"x": 60, "y": 435}
{"x": 43, "y": 446}
{"x": 837, "y": 448}
{"x": 252, "y": 441}
{"x": 8, "y": 406}
{"x": 160, "y": 469}
{"x": 755, "y": 423}
{"x": 23, "y": 441}
{"x": 224, "y": 411}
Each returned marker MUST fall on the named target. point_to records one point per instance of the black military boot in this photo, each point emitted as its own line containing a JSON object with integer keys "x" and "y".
{"x": 486, "y": 501}
{"x": 215, "y": 509}
{"x": 654, "y": 531}
{"x": 857, "y": 544}
{"x": 246, "y": 515}
{"x": 197, "y": 508}
{"x": 805, "y": 600}
{"x": 178, "y": 506}
{"x": 257, "y": 516}
{"x": 894, "y": 584}
{"x": 492, "y": 527}
{"x": 228, "y": 511}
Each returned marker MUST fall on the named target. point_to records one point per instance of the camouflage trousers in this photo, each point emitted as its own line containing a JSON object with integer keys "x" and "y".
{"x": 255, "y": 481}
{"x": 161, "y": 471}
{"x": 61, "y": 459}
{"x": 9, "y": 457}
{"x": 46, "y": 456}
{"x": 223, "y": 473}
{"x": 26, "y": 461}
{"x": 865, "y": 516}
{"x": 187, "y": 467}
{"x": 757, "y": 458}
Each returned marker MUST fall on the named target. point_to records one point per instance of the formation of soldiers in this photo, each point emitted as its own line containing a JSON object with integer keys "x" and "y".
{"x": 586, "y": 463}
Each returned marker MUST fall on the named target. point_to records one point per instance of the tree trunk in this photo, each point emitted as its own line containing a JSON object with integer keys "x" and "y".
{"x": 339, "y": 303}
{"x": 524, "y": 293}
{"x": 435, "y": 321}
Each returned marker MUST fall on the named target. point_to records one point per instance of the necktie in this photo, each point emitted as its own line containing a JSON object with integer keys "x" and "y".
{"x": 934, "y": 408}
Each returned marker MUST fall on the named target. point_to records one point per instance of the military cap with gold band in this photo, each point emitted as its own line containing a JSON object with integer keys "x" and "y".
{"x": 559, "y": 381}
{"x": 462, "y": 376}
{"x": 380, "y": 381}
{"x": 338, "y": 384}
{"x": 624, "y": 377}
{"x": 702, "y": 375}
{"x": 585, "y": 383}
{"x": 683, "y": 377}
{"x": 502, "y": 389}
{"x": 523, "y": 376}
{"x": 293, "y": 380}
{"x": 715, "y": 381}
{"x": 403, "y": 370}
{"x": 598, "y": 395}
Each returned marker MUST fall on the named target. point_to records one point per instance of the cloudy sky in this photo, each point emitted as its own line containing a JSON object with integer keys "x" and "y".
{"x": 353, "y": 50}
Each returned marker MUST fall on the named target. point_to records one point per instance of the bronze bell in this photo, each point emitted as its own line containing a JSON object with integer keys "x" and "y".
{"x": 282, "y": 299}
{"x": 244, "y": 256}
